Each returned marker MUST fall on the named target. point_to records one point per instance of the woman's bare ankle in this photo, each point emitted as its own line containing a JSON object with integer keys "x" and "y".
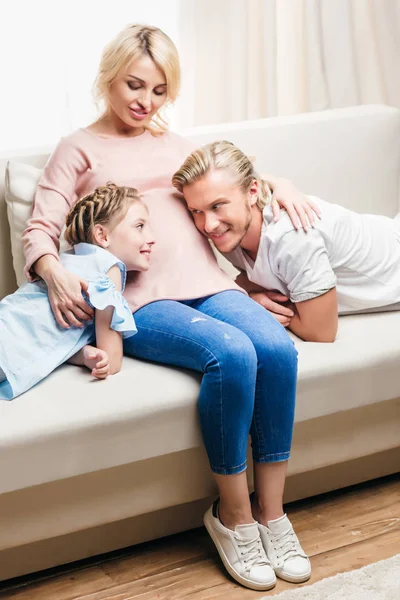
{"x": 232, "y": 516}
{"x": 265, "y": 512}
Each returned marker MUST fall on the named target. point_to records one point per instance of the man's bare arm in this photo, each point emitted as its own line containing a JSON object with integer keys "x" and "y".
{"x": 316, "y": 320}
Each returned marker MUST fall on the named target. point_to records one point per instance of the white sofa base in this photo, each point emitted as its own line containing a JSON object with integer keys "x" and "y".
{"x": 63, "y": 549}
{"x": 90, "y": 514}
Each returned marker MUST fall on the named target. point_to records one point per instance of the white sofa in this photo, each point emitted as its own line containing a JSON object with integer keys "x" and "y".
{"x": 87, "y": 467}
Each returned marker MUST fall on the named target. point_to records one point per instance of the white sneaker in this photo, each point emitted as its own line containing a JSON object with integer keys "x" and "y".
{"x": 283, "y": 549}
{"x": 241, "y": 551}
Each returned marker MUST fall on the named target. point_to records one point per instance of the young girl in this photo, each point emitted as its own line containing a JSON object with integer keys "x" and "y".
{"x": 109, "y": 234}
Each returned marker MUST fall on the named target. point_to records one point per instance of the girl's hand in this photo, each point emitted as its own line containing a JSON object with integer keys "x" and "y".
{"x": 65, "y": 295}
{"x": 301, "y": 210}
{"x": 272, "y": 301}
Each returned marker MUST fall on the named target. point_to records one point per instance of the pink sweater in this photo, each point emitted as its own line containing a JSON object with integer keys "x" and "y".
{"x": 183, "y": 265}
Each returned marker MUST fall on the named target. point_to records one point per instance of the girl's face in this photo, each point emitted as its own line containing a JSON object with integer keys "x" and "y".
{"x": 135, "y": 96}
{"x": 131, "y": 240}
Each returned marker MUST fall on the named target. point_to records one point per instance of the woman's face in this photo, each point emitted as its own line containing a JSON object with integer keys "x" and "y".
{"x": 135, "y": 96}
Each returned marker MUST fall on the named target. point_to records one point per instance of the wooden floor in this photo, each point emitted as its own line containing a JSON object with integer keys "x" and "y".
{"x": 341, "y": 531}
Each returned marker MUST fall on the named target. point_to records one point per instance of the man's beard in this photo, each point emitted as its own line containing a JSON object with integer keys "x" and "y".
{"x": 246, "y": 229}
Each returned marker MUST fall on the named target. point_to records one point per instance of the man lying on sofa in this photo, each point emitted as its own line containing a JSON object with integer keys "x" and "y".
{"x": 345, "y": 263}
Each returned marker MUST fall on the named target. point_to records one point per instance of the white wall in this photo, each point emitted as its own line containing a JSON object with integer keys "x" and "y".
{"x": 49, "y": 53}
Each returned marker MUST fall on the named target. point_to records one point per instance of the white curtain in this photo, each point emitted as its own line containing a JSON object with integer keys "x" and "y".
{"x": 246, "y": 59}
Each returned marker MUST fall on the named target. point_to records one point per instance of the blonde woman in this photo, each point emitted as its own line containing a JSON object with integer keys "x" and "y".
{"x": 109, "y": 234}
{"x": 188, "y": 312}
{"x": 348, "y": 263}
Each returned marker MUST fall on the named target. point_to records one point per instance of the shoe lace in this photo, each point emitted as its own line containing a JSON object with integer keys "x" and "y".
{"x": 252, "y": 552}
{"x": 287, "y": 545}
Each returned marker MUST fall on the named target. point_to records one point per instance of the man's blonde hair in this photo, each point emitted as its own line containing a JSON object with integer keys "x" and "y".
{"x": 107, "y": 205}
{"x": 129, "y": 45}
{"x": 222, "y": 155}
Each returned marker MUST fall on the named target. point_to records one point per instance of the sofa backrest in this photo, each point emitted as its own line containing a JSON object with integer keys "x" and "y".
{"x": 350, "y": 156}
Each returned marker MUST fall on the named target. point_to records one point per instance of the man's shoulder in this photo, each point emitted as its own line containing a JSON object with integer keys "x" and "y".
{"x": 283, "y": 230}
{"x": 274, "y": 231}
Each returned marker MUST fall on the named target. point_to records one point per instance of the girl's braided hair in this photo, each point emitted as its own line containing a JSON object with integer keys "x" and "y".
{"x": 107, "y": 205}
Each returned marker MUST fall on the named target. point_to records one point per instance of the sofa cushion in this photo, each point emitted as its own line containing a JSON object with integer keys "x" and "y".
{"x": 70, "y": 425}
{"x": 20, "y": 185}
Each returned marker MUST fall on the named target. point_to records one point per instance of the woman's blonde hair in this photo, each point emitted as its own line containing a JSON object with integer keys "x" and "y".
{"x": 107, "y": 205}
{"x": 129, "y": 45}
{"x": 222, "y": 155}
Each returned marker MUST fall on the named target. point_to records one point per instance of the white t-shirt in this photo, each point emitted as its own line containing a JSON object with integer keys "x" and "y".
{"x": 357, "y": 254}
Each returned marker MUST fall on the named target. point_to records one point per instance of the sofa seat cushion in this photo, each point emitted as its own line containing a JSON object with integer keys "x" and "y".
{"x": 70, "y": 424}
{"x": 361, "y": 367}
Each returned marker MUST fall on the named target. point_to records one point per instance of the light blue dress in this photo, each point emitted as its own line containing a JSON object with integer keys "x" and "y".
{"x": 32, "y": 344}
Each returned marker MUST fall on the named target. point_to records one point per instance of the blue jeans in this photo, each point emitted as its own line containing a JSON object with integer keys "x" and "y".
{"x": 249, "y": 365}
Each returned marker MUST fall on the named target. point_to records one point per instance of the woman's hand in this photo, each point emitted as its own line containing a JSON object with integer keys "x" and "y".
{"x": 271, "y": 301}
{"x": 65, "y": 293}
{"x": 301, "y": 210}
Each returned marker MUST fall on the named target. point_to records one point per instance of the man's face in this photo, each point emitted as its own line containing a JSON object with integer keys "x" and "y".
{"x": 220, "y": 209}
